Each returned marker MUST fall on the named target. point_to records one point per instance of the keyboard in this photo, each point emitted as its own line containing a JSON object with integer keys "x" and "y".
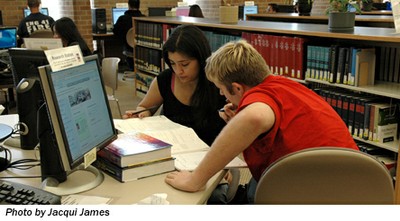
{"x": 13, "y": 193}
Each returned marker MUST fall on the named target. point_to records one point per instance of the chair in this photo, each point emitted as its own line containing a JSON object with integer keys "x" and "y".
{"x": 326, "y": 176}
{"x": 110, "y": 77}
{"x": 129, "y": 54}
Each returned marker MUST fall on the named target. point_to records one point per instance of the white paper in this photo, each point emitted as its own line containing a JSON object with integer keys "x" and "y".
{"x": 63, "y": 58}
{"x": 396, "y": 14}
{"x": 42, "y": 43}
{"x": 155, "y": 199}
{"x": 84, "y": 200}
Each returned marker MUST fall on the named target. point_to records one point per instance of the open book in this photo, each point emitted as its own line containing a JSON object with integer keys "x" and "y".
{"x": 187, "y": 148}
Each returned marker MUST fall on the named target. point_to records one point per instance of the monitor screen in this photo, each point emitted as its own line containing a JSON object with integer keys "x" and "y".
{"x": 116, "y": 12}
{"x": 248, "y": 10}
{"x": 44, "y": 11}
{"x": 79, "y": 112}
{"x": 8, "y": 37}
{"x": 24, "y": 65}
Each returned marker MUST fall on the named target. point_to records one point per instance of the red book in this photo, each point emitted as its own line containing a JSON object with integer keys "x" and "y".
{"x": 299, "y": 57}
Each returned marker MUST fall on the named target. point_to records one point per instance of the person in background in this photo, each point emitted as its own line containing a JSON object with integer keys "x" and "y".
{"x": 184, "y": 92}
{"x": 124, "y": 23}
{"x": 272, "y": 8}
{"x": 34, "y": 21}
{"x": 195, "y": 11}
{"x": 66, "y": 29}
{"x": 267, "y": 118}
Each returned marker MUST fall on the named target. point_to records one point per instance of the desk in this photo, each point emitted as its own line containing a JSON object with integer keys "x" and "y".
{"x": 108, "y": 45}
{"x": 8, "y": 84}
{"x": 121, "y": 193}
{"x": 377, "y": 12}
{"x": 361, "y": 20}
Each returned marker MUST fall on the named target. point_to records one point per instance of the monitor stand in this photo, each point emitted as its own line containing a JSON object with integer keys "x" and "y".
{"x": 13, "y": 142}
{"x": 77, "y": 181}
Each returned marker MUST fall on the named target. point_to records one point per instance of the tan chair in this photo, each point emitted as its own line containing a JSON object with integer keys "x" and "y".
{"x": 129, "y": 54}
{"x": 326, "y": 176}
{"x": 110, "y": 77}
{"x": 45, "y": 33}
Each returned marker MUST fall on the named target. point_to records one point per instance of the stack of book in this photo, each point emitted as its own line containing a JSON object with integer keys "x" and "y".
{"x": 135, "y": 155}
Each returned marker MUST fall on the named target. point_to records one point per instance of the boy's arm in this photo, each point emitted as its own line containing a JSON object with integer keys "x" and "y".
{"x": 238, "y": 134}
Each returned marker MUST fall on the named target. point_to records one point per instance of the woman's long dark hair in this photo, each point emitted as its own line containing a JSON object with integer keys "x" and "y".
{"x": 191, "y": 41}
{"x": 68, "y": 32}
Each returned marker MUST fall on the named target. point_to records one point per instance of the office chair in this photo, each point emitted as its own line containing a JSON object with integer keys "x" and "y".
{"x": 129, "y": 54}
{"x": 45, "y": 33}
{"x": 110, "y": 77}
{"x": 326, "y": 175}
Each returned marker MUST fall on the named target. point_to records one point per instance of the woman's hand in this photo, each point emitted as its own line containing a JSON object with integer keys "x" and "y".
{"x": 136, "y": 114}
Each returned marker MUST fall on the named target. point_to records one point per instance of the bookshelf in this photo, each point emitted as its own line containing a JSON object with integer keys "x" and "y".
{"x": 385, "y": 21}
{"x": 317, "y": 34}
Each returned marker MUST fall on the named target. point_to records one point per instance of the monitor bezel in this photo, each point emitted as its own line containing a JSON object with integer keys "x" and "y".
{"x": 53, "y": 109}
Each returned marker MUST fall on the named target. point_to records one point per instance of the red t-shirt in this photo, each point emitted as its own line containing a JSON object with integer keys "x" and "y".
{"x": 302, "y": 120}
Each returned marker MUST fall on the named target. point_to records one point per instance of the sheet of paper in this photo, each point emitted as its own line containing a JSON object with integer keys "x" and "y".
{"x": 396, "y": 14}
{"x": 189, "y": 161}
{"x": 154, "y": 123}
{"x": 183, "y": 139}
{"x": 85, "y": 200}
{"x": 155, "y": 199}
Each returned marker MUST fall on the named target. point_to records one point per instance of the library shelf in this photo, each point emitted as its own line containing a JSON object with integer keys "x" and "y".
{"x": 313, "y": 34}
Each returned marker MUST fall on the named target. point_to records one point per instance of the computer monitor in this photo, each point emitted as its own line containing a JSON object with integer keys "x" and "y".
{"x": 44, "y": 11}
{"x": 81, "y": 122}
{"x": 245, "y": 10}
{"x": 8, "y": 37}
{"x": 182, "y": 11}
{"x": 286, "y": 8}
{"x": 158, "y": 11}
{"x": 116, "y": 12}
{"x": 24, "y": 65}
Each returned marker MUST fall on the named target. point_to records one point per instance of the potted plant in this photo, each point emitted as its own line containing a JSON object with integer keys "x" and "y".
{"x": 342, "y": 14}
{"x": 304, "y": 7}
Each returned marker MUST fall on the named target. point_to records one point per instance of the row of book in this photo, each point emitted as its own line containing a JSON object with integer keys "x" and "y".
{"x": 367, "y": 116}
{"x": 388, "y": 67}
{"x": 283, "y": 54}
{"x": 134, "y": 156}
{"x": 149, "y": 34}
{"x": 342, "y": 65}
{"x": 148, "y": 60}
{"x": 292, "y": 57}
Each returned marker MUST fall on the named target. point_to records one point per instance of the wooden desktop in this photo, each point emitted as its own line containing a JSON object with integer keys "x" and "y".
{"x": 121, "y": 193}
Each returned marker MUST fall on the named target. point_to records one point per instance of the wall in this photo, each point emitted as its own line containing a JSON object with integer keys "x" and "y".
{"x": 79, "y": 10}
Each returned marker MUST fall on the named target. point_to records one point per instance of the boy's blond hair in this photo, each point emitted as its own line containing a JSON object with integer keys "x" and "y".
{"x": 236, "y": 62}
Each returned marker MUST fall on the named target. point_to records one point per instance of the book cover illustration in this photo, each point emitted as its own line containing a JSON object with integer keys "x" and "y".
{"x": 135, "y": 143}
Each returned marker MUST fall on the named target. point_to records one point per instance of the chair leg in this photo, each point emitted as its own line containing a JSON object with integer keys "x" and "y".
{"x": 128, "y": 74}
{"x": 233, "y": 186}
{"x": 119, "y": 109}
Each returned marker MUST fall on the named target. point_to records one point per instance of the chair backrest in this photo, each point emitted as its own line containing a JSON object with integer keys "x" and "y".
{"x": 326, "y": 175}
{"x": 109, "y": 70}
{"x": 45, "y": 33}
{"x": 130, "y": 37}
